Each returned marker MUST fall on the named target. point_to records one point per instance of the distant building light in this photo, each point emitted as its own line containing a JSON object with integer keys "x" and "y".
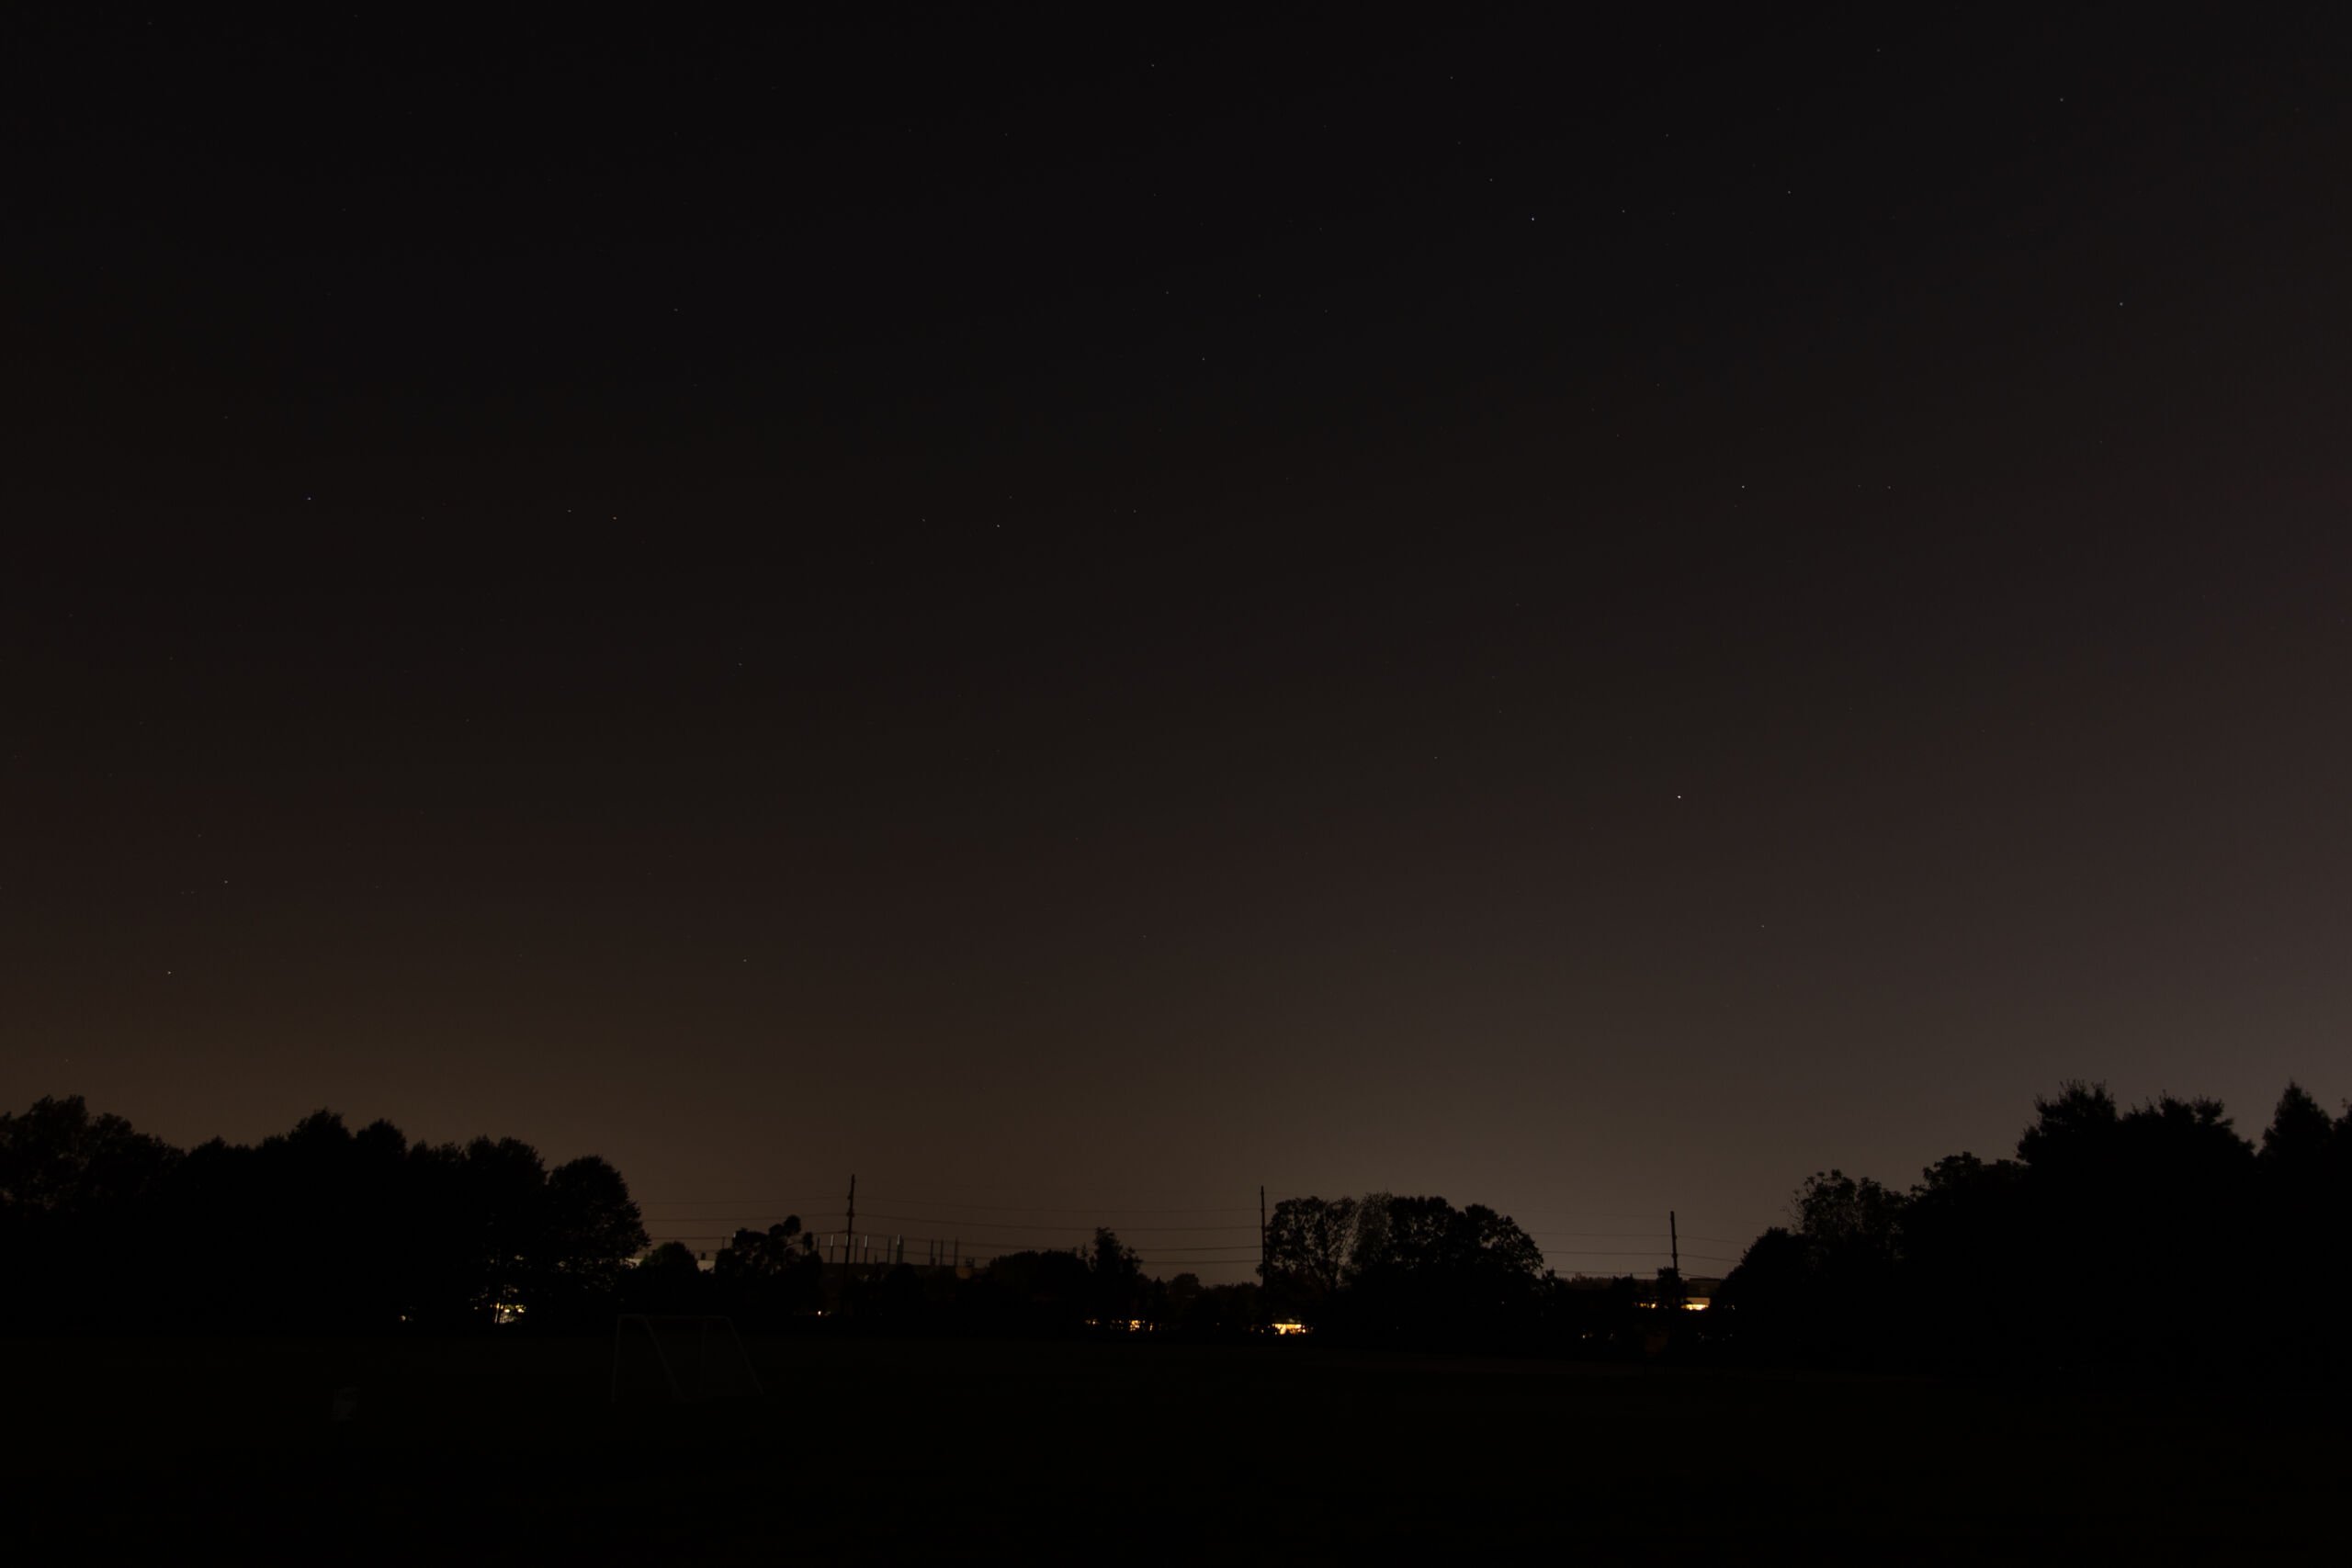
{"x": 1289, "y": 1328}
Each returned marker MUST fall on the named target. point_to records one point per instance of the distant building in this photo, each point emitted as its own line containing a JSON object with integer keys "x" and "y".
{"x": 1671, "y": 1293}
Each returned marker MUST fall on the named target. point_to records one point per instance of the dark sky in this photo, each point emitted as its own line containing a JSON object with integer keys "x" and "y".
{"x": 1589, "y": 621}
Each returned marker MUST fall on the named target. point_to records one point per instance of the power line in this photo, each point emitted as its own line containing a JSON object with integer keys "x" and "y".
{"x": 1071, "y": 1208}
{"x": 771, "y": 1208}
{"x": 956, "y": 1203}
{"x": 762, "y": 1205}
{"x": 1238, "y": 1251}
{"x": 1157, "y": 1230}
{"x": 1243, "y": 1252}
{"x": 1035, "y": 1225}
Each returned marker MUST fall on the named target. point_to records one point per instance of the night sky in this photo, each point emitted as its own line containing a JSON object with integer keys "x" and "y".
{"x": 1086, "y": 619}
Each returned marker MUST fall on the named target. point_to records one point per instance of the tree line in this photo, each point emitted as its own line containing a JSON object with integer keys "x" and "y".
{"x": 316, "y": 1229}
{"x": 1384, "y": 1268}
{"x": 777, "y": 1280}
{"x": 322, "y": 1229}
{"x": 2156, "y": 1238}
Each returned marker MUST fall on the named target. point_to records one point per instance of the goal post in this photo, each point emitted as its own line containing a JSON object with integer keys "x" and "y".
{"x": 681, "y": 1358}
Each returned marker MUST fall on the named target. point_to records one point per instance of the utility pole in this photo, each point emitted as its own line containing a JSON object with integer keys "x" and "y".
{"x": 852, "y": 1228}
{"x": 1262, "y": 1234}
{"x": 1670, "y": 1297}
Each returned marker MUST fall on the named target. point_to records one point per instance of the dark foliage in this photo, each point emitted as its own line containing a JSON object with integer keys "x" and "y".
{"x": 670, "y": 1279}
{"x": 763, "y": 1278}
{"x": 1382, "y": 1269}
{"x": 2155, "y": 1239}
{"x": 318, "y": 1229}
{"x": 1101, "y": 1289}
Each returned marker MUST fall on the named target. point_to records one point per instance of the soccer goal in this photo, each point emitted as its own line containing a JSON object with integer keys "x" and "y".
{"x": 684, "y": 1357}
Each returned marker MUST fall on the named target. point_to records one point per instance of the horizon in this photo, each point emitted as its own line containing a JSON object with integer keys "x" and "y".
{"x": 974, "y": 1233}
{"x": 1591, "y": 620}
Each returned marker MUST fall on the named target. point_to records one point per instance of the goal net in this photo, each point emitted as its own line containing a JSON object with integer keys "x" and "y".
{"x": 684, "y": 1357}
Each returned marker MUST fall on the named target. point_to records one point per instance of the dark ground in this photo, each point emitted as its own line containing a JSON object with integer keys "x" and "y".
{"x": 508, "y": 1449}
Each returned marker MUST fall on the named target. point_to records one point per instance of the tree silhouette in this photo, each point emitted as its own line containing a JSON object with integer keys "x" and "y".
{"x": 1036, "y": 1291}
{"x": 668, "y": 1280}
{"x": 1848, "y": 1220}
{"x": 78, "y": 1201}
{"x": 58, "y": 1161}
{"x": 1421, "y": 1270}
{"x": 2073, "y": 1133}
{"x": 2092, "y": 1251}
{"x": 764, "y": 1276}
{"x": 1308, "y": 1245}
{"x": 1772, "y": 1299}
{"x": 2294, "y": 1152}
{"x": 1965, "y": 1293}
{"x": 2088, "y": 1252}
{"x": 587, "y": 1230}
{"x": 338, "y": 1231}
{"x": 1115, "y": 1280}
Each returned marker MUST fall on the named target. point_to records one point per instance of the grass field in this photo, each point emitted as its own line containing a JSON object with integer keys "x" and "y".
{"x": 874, "y": 1450}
